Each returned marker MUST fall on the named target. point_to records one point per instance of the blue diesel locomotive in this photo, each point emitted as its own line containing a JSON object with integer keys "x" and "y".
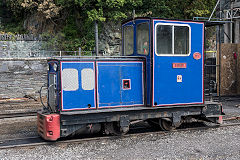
{"x": 158, "y": 79}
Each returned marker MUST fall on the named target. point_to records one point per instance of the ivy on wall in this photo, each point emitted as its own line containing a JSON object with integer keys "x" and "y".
{"x": 74, "y": 19}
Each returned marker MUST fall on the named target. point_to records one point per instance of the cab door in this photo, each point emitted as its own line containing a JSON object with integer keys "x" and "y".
{"x": 120, "y": 83}
{"x": 177, "y": 62}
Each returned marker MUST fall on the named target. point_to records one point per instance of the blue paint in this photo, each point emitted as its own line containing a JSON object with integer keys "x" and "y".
{"x": 148, "y": 57}
{"x": 79, "y": 99}
{"x": 167, "y": 91}
{"x": 110, "y": 76}
{"x": 110, "y": 87}
{"x": 159, "y": 74}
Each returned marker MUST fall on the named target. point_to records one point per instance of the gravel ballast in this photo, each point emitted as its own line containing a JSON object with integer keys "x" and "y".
{"x": 220, "y": 143}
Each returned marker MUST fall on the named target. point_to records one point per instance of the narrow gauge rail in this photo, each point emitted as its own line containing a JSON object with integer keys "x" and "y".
{"x": 18, "y": 114}
{"x": 36, "y": 141}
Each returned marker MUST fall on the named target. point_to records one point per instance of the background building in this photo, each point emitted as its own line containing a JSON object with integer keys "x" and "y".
{"x": 230, "y": 10}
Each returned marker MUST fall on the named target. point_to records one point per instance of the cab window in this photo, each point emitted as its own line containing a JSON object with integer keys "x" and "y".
{"x": 181, "y": 40}
{"x": 164, "y": 39}
{"x": 172, "y": 39}
{"x": 143, "y": 38}
{"x": 128, "y": 40}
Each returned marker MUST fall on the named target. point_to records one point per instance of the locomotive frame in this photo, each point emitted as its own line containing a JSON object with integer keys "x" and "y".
{"x": 89, "y": 95}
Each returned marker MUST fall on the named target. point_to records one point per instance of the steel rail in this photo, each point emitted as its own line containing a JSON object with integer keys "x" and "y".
{"x": 37, "y": 141}
{"x": 18, "y": 114}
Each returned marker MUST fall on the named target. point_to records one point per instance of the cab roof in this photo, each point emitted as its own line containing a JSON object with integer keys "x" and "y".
{"x": 207, "y": 23}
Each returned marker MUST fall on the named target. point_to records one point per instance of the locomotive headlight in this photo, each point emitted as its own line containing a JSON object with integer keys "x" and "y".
{"x": 55, "y": 67}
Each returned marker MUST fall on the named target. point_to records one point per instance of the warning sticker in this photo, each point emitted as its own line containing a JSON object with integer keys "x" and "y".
{"x": 179, "y": 78}
{"x": 197, "y": 55}
{"x": 179, "y": 65}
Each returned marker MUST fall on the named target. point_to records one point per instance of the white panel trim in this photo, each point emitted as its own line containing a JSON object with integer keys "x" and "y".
{"x": 70, "y": 79}
{"x": 172, "y": 54}
{"x": 87, "y": 79}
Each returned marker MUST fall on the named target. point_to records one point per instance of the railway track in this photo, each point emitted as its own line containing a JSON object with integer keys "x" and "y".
{"x": 36, "y": 141}
{"x": 18, "y": 114}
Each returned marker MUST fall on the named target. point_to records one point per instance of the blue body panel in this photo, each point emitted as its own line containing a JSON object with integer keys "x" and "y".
{"x": 110, "y": 90}
{"x": 110, "y": 84}
{"x": 79, "y": 99}
{"x": 167, "y": 91}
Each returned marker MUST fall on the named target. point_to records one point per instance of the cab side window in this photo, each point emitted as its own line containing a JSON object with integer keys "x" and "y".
{"x": 128, "y": 40}
{"x": 181, "y": 39}
{"x": 172, "y": 39}
{"x": 164, "y": 39}
{"x": 143, "y": 38}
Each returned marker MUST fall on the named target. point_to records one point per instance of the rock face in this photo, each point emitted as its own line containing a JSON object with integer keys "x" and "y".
{"x": 110, "y": 39}
{"x": 29, "y": 45}
{"x": 36, "y": 24}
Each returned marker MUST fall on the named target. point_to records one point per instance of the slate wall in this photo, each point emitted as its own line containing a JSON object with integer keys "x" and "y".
{"x": 22, "y": 78}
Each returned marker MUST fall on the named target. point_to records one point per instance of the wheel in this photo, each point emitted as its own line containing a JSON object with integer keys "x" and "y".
{"x": 154, "y": 123}
{"x": 115, "y": 129}
{"x": 166, "y": 124}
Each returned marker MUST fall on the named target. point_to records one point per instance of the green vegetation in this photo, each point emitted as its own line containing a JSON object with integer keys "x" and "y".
{"x": 73, "y": 20}
{"x": 13, "y": 16}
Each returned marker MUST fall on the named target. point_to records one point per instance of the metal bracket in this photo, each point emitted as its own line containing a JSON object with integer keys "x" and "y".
{"x": 124, "y": 121}
{"x": 176, "y": 119}
{"x": 212, "y": 109}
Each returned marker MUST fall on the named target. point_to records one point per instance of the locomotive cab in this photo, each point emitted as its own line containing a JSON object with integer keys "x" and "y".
{"x": 158, "y": 79}
{"x": 174, "y": 58}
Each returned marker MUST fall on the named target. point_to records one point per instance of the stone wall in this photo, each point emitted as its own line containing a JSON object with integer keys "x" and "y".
{"x": 22, "y": 78}
{"x": 25, "y": 78}
{"x": 13, "y": 49}
{"x": 19, "y": 45}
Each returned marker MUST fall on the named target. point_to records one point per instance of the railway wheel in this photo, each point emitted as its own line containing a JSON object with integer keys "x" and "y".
{"x": 166, "y": 124}
{"x": 154, "y": 123}
{"x": 115, "y": 129}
